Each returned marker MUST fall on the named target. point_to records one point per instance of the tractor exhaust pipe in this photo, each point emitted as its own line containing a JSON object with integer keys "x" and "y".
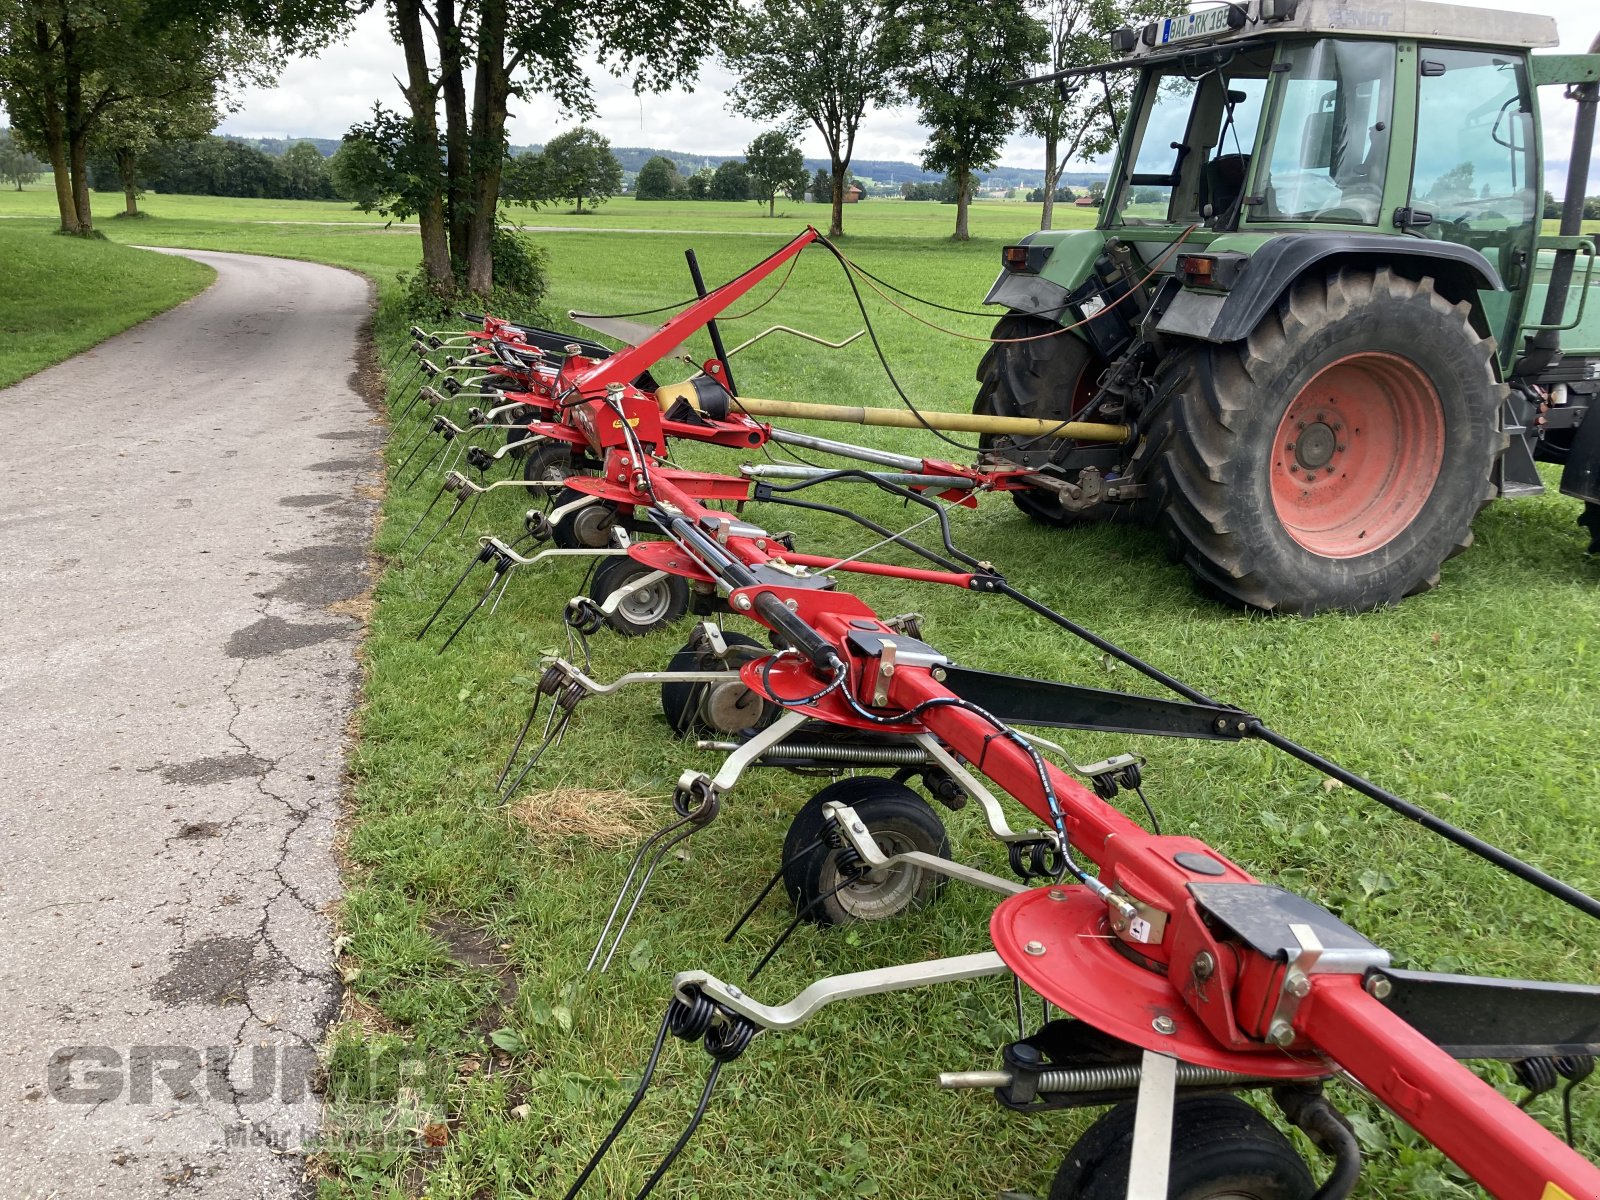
{"x": 1544, "y": 347}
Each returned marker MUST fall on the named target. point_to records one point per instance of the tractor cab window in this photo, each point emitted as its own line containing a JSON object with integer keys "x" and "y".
{"x": 1330, "y": 133}
{"x": 1192, "y": 148}
{"x": 1475, "y": 171}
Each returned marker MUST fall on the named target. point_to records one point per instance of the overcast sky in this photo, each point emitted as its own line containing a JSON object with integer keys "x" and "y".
{"x": 324, "y": 96}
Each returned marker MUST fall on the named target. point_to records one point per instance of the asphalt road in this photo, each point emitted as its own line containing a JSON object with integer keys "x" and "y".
{"x": 184, "y": 528}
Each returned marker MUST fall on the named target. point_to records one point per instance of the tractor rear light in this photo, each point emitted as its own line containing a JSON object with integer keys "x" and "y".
{"x": 1123, "y": 40}
{"x": 1024, "y": 259}
{"x": 1149, "y": 33}
{"x": 1195, "y": 269}
{"x": 1219, "y": 271}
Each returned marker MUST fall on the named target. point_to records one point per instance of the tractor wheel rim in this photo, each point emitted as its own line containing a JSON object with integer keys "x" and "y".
{"x": 1357, "y": 454}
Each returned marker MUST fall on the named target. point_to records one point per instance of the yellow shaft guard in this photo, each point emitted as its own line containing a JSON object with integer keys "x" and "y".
{"x": 1078, "y": 431}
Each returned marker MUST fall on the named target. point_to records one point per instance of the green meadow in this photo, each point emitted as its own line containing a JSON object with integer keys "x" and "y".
{"x": 466, "y": 925}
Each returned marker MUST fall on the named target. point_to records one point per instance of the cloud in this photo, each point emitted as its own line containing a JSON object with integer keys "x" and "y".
{"x": 324, "y": 96}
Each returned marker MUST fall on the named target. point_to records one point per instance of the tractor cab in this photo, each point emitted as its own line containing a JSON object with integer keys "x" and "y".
{"x": 1290, "y": 176}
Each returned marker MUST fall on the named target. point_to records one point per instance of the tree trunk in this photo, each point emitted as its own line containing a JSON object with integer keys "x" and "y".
{"x": 78, "y": 152}
{"x": 1052, "y": 172}
{"x": 127, "y": 168}
{"x": 836, "y": 222}
{"x": 62, "y": 174}
{"x": 962, "y": 175}
{"x": 419, "y": 94}
{"x": 491, "y": 90}
{"x": 772, "y": 205}
{"x": 54, "y": 128}
{"x": 457, "y": 133}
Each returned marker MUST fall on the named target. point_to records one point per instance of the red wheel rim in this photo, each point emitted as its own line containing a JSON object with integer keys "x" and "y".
{"x": 1357, "y": 454}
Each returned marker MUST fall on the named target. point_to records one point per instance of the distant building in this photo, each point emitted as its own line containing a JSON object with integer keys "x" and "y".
{"x": 853, "y": 194}
{"x": 1086, "y": 202}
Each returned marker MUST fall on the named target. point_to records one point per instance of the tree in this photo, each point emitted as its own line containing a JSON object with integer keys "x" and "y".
{"x": 579, "y": 166}
{"x": 775, "y": 164}
{"x": 1081, "y": 117}
{"x": 818, "y": 60}
{"x": 512, "y": 49}
{"x": 730, "y": 181}
{"x": 17, "y": 166}
{"x": 128, "y": 134}
{"x": 698, "y": 185}
{"x": 305, "y": 173}
{"x": 67, "y": 65}
{"x": 1591, "y": 207}
{"x": 822, "y": 187}
{"x": 657, "y": 180}
{"x": 957, "y": 60}
{"x": 1552, "y": 208}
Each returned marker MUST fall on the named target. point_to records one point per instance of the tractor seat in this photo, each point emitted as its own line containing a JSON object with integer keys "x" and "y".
{"x": 1222, "y": 183}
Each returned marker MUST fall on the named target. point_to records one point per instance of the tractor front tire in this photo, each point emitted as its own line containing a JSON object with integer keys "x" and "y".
{"x": 1335, "y": 458}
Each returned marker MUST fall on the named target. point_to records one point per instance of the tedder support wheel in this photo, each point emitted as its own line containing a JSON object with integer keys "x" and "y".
{"x": 585, "y": 528}
{"x": 549, "y": 462}
{"x": 1222, "y": 1149}
{"x": 815, "y": 874}
{"x": 646, "y": 609}
{"x": 518, "y": 432}
{"x": 1335, "y": 458}
{"x": 1050, "y": 378}
{"x": 716, "y": 708}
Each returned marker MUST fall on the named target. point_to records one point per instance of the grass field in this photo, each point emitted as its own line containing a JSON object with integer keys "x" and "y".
{"x": 466, "y": 926}
{"x": 61, "y": 295}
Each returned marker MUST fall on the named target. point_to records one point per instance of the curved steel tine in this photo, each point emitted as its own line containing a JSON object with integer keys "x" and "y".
{"x": 494, "y": 581}
{"x": 483, "y": 556}
{"x": 627, "y": 1113}
{"x": 422, "y": 470}
{"x": 638, "y": 893}
{"x": 422, "y": 439}
{"x": 496, "y": 606}
{"x": 516, "y": 746}
{"x": 627, "y": 883}
{"x": 688, "y": 1132}
{"x": 423, "y": 518}
{"x": 533, "y": 760}
{"x": 445, "y": 524}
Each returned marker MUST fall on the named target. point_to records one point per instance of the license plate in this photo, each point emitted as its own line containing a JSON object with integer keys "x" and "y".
{"x": 1196, "y": 24}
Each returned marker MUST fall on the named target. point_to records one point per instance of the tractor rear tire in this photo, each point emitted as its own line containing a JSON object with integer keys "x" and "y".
{"x": 1589, "y": 519}
{"x": 1221, "y": 1147}
{"x": 1335, "y": 458}
{"x": 1050, "y": 378}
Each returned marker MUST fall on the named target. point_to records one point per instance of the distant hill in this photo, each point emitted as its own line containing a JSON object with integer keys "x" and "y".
{"x": 276, "y": 146}
{"x": 633, "y": 157}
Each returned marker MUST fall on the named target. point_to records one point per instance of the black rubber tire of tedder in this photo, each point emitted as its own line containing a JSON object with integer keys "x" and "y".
{"x": 1393, "y": 397}
{"x": 1221, "y": 1147}
{"x": 898, "y": 819}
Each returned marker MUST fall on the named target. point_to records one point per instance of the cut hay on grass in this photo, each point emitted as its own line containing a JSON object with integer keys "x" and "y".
{"x": 603, "y": 818}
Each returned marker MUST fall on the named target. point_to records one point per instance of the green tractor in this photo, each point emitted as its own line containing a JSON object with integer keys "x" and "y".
{"x": 1320, "y": 293}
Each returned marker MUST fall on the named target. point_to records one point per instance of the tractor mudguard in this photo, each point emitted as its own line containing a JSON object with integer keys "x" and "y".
{"x": 1061, "y": 260}
{"x": 1030, "y": 294}
{"x": 1230, "y": 316}
{"x": 1580, "y": 477}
